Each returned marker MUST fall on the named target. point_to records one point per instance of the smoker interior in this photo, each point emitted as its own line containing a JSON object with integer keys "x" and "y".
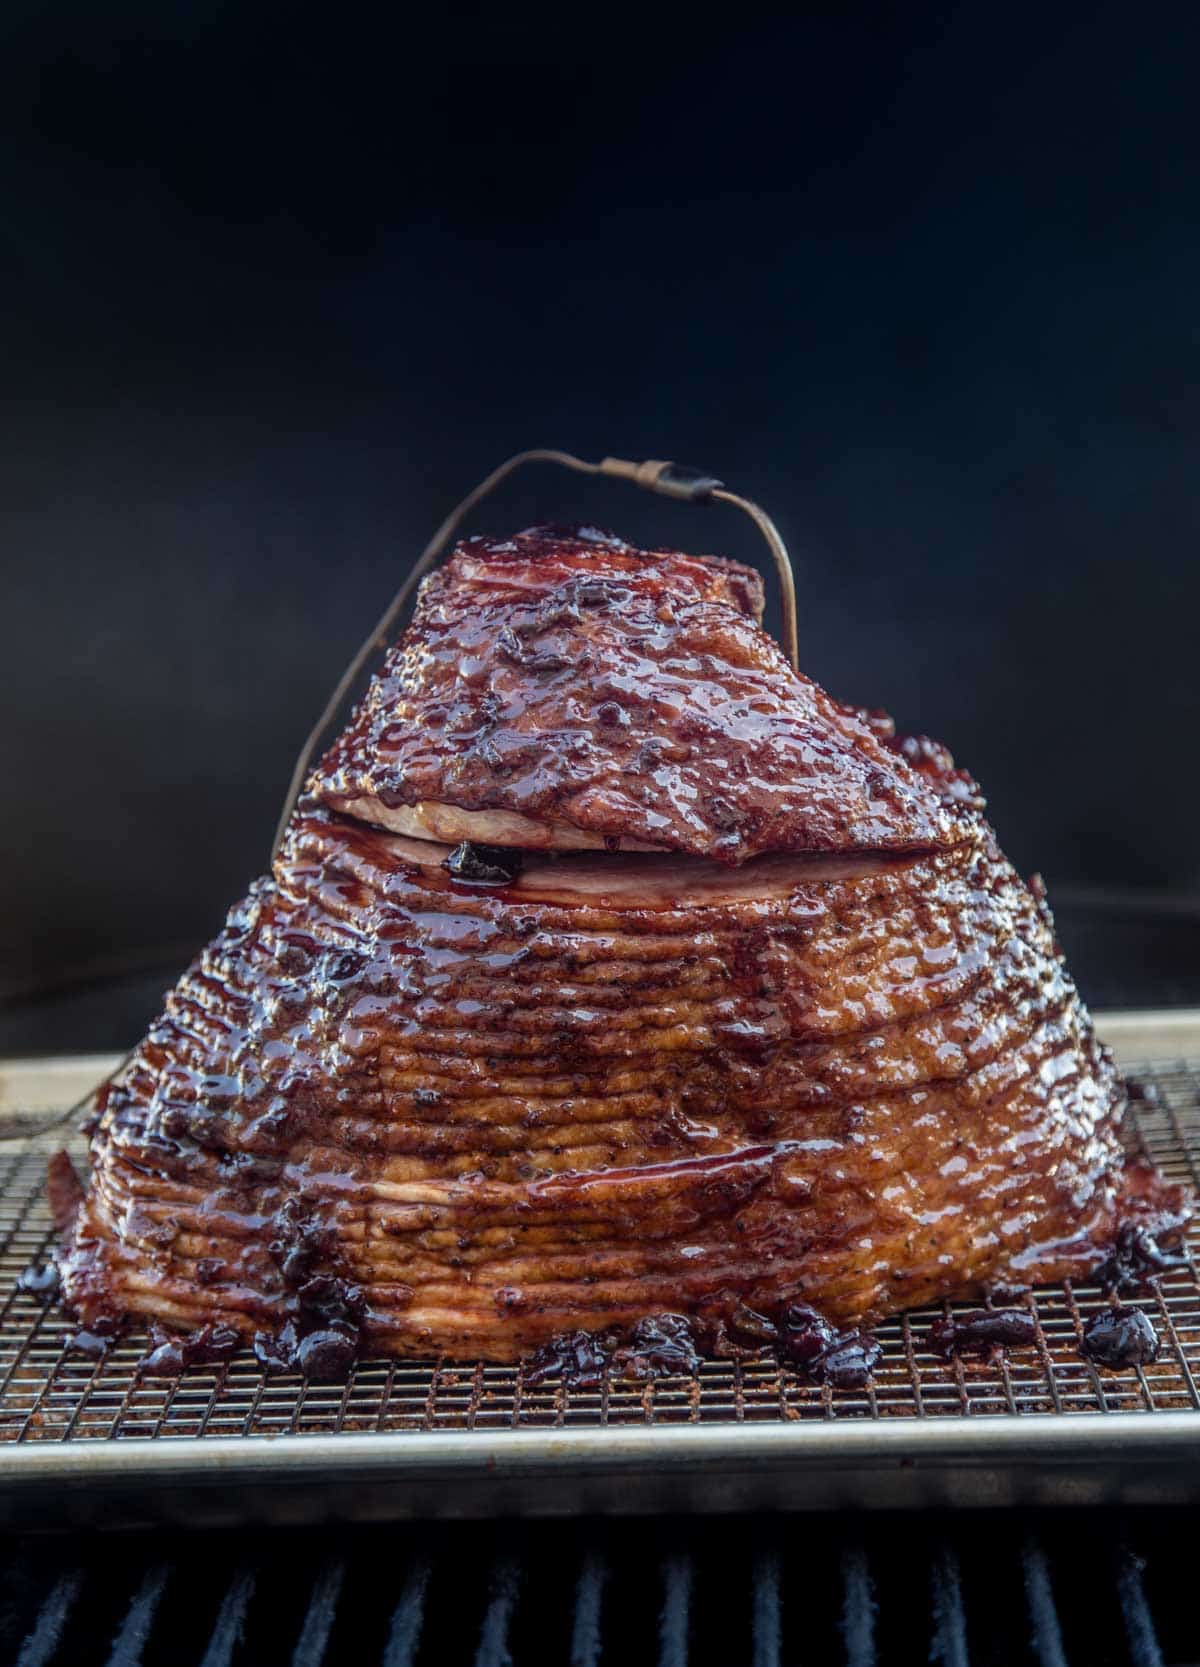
{"x": 1066, "y": 1588}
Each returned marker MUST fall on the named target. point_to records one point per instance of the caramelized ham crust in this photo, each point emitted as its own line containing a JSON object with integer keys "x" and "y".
{"x": 582, "y": 1098}
{"x": 821, "y": 1048}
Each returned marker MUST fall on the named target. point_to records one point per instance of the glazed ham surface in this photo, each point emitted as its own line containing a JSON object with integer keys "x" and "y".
{"x": 585, "y": 693}
{"x": 820, "y": 1046}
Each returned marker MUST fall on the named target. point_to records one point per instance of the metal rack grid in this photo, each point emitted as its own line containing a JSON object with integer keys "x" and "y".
{"x": 51, "y": 1396}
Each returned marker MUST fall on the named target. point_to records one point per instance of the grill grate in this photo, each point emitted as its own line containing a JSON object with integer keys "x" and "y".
{"x": 1082, "y": 1589}
{"x": 50, "y": 1395}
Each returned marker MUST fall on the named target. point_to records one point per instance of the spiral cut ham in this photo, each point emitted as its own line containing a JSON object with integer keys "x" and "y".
{"x": 608, "y": 968}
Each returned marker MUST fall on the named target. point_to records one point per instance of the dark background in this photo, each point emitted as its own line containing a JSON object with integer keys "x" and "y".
{"x": 923, "y": 279}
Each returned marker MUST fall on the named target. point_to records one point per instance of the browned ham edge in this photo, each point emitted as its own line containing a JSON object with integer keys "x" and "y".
{"x": 447, "y": 823}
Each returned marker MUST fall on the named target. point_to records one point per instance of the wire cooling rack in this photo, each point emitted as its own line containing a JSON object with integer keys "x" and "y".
{"x": 55, "y": 1401}
{"x": 48, "y": 1394}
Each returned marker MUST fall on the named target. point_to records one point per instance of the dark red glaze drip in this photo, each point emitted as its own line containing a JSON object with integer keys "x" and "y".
{"x": 803, "y": 1335}
{"x": 326, "y": 1353}
{"x": 841, "y": 1359}
{"x": 41, "y": 1283}
{"x": 673, "y": 1345}
{"x": 660, "y": 1346}
{"x": 576, "y": 1359}
{"x": 982, "y": 1331}
{"x": 1145, "y": 1242}
{"x": 170, "y": 1354}
{"x": 1120, "y": 1338}
{"x": 848, "y": 1363}
{"x": 657, "y": 1346}
{"x": 94, "y": 1339}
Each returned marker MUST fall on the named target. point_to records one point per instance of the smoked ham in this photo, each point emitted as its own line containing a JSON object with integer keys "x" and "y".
{"x": 608, "y": 968}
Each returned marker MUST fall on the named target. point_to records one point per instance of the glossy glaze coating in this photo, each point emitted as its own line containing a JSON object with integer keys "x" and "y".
{"x": 591, "y": 688}
{"x": 508, "y": 1113}
{"x": 818, "y": 1062}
